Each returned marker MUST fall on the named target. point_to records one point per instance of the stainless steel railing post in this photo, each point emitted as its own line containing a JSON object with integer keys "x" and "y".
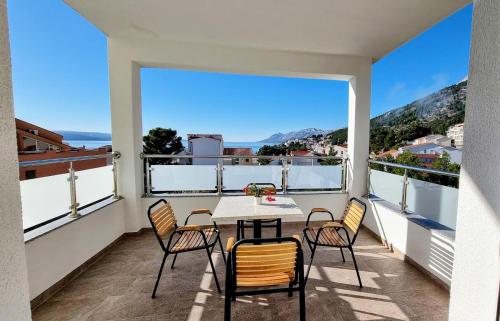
{"x": 219, "y": 170}
{"x": 405, "y": 189}
{"x": 284, "y": 169}
{"x": 344, "y": 175}
{"x": 116, "y": 155}
{"x": 368, "y": 180}
{"x": 72, "y": 191}
{"x": 148, "y": 178}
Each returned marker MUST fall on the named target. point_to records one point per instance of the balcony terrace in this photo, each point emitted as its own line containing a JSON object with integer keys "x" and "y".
{"x": 118, "y": 287}
{"x": 85, "y": 252}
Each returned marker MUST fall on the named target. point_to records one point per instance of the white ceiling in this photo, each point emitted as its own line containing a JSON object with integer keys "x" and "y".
{"x": 369, "y": 28}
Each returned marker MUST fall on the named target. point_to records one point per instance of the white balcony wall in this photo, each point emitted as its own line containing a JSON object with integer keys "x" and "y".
{"x": 311, "y": 177}
{"x": 236, "y": 177}
{"x": 433, "y": 250}
{"x": 44, "y": 198}
{"x": 94, "y": 184}
{"x": 184, "y": 178}
{"x": 54, "y": 255}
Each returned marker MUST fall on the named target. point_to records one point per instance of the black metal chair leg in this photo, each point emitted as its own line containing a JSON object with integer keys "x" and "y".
{"x": 173, "y": 261}
{"x": 159, "y": 275}
{"x": 313, "y": 250}
{"x": 227, "y": 294}
{"x": 302, "y": 303}
{"x": 342, "y": 252}
{"x": 213, "y": 269}
{"x": 290, "y": 290}
{"x": 356, "y": 266}
{"x": 238, "y": 230}
{"x": 222, "y": 249}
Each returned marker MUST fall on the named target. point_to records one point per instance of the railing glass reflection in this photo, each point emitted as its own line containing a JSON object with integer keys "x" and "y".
{"x": 46, "y": 199}
{"x": 179, "y": 174}
{"x": 421, "y": 199}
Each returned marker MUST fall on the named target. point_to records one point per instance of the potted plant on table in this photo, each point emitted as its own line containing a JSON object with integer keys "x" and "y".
{"x": 256, "y": 191}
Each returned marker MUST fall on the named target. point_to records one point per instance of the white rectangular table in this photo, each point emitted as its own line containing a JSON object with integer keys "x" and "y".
{"x": 240, "y": 208}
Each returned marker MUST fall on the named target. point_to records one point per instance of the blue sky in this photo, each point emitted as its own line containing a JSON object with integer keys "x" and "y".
{"x": 61, "y": 83}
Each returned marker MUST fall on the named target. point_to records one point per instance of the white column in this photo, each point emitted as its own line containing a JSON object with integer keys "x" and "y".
{"x": 126, "y": 124}
{"x": 476, "y": 272}
{"x": 14, "y": 294}
{"x": 358, "y": 133}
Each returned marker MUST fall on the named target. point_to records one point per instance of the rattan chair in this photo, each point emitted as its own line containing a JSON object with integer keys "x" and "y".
{"x": 182, "y": 238}
{"x": 328, "y": 234}
{"x": 260, "y": 266}
{"x": 270, "y": 188}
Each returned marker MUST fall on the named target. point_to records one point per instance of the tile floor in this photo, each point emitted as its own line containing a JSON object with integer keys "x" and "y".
{"x": 118, "y": 287}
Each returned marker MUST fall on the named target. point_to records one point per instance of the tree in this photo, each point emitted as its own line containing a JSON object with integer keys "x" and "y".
{"x": 271, "y": 150}
{"x": 410, "y": 159}
{"x": 444, "y": 163}
{"x": 162, "y": 141}
{"x": 330, "y": 161}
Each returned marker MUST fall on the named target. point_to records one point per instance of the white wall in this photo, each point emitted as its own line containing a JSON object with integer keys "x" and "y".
{"x": 14, "y": 300}
{"x": 205, "y": 146}
{"x": 432, "y": 250}
{"x": 476, "y": 276}
{"x": 54, "y": 255}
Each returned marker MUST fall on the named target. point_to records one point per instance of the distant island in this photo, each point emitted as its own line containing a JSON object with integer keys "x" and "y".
{"x": 92, "y": 136}
{"x": 300, "y": 134}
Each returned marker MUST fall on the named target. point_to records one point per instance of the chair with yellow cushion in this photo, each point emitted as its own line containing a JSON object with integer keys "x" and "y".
{"x": 260, "y": 266}
{"x": 328, "y": 234}
{"x": 180, "y": 239}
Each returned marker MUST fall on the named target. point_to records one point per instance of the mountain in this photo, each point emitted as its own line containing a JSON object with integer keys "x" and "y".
{"x": 300, "y": 134}
{"x": 433, "y": 114}
{"x": 73, "y": 135}
{"x": 447, "y": 102}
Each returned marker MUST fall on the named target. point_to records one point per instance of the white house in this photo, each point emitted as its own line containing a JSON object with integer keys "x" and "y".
{"x": 434, "y": 139}
{"x": 205, "y": 145}
{"x": 456, "y": 133}
{"x": 455, "y": 154}
{"x": 431, "y": 148}
{"x": 340, "y": 149}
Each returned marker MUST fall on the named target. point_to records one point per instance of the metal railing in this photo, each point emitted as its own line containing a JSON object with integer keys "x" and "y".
{"x": 403, "y": 203}
{"x": 72, "y": 178}
{"x": 284, "y": 162}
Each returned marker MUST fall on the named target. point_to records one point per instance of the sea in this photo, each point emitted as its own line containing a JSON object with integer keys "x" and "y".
{"x": 93, "y": 144}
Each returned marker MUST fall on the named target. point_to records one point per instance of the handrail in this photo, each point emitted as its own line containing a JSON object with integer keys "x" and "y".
{"x": 219, "y": 187}
{"x": 114, "y": 155}
{"x": 414, "y": 168}
{"x": 238, "y": 156}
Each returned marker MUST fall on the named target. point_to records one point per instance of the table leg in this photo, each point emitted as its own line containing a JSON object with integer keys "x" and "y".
{"x": 257, "y": 229}
{"x": 238, "y": 225}
{"x": 278, "y": 227}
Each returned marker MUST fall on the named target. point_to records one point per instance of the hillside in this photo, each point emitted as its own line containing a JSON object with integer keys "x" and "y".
{"x": 300, "y": 134}
{"x": 430, "y": 115}
{"x": 73, "y": 135}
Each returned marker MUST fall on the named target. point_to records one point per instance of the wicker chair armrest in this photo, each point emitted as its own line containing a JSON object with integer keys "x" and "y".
{"x": 189, "y": 228}
{"x": 201, "y": 211}
{"x": 332, "y": 224}
{"x": 230, "y": 243}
